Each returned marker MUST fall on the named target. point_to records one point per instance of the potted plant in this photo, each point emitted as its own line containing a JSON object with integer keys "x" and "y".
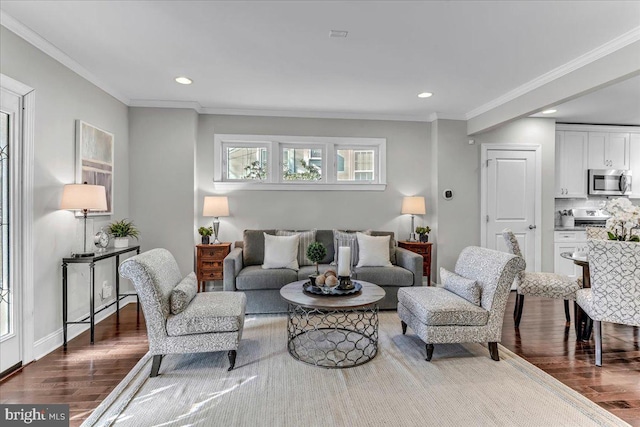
{"x": 316, "y": 253}
{"x": 206, "y": 233}
{"x": 423, "y": 232}
{"x": 121, "y": 231}
{"x": 625, "y": 217}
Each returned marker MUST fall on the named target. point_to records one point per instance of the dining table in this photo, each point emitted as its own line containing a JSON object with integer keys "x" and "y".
{"x": 583, "y": 323}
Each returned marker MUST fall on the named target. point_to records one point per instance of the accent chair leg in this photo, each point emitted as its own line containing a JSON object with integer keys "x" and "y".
{"x": 232, "y": 359}
{"x": 155, "y": 366}
{"x": 404, "y": 327}
{"x": 517, "y": 315}
{"x": 598, "y": 335}
{"x": 493, "y": 351}
{"x": 567, "y": 313}
{"x": 429, "y": 352}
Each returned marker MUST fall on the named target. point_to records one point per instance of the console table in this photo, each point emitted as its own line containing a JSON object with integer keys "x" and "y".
{"x": 99, "y": 256}
{"x": 424, "y": 249}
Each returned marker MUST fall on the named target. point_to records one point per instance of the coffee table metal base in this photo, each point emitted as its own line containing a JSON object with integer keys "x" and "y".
{"x": 333, "y": 338}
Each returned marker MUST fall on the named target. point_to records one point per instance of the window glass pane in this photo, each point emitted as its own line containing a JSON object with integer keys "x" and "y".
{"x": 356, "y": 165}
{"x": 5, "y": 285}
{"x": 246, "y": 163}
{"x": 301, "y": 164}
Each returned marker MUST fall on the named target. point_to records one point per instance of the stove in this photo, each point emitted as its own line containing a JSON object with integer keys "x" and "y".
{"x": 590, "y": 216}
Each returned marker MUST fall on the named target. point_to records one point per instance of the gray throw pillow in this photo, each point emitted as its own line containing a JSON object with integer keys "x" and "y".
{"x": 183, "y": 293}
{"x": 253, "y": 246}
{"x": 306, "y": 238}
{"x": 461, "y": 286}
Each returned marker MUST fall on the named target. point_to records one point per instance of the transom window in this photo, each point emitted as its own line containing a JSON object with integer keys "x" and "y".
{"x": 263, "y": 162}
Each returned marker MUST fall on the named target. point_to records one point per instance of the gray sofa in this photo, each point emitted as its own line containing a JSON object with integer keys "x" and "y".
{"x": 243, "y": 272}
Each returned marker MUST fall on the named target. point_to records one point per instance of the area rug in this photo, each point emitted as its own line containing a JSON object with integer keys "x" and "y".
{"x": 461, "y": 386}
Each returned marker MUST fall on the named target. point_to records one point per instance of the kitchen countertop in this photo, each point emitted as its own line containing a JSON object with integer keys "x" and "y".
{"x": 577, "y": 228}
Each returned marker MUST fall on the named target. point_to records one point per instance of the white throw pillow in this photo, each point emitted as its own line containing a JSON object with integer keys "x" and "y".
{"x": 373, "y": 251}
{"x": 281, "y": 251}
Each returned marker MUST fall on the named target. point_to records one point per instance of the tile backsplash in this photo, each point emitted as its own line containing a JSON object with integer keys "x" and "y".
{"x": 591, "y": 202}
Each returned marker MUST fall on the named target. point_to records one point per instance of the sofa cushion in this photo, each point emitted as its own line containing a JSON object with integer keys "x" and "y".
{"x": 385, "y": 276}
{"x": 183, "y": 293}
{"x": 461, "y": 286}
{"x": 209, "y": 312}
{"x": 392, "y": 244}
{"x": 306, "y": 238}
{"x": 253, "y": 246}
{"x": 281, "y": 251}
{"x": 373, "y": 251}
{"x": 255, "y": 277}
{"x": 438, "y": 307}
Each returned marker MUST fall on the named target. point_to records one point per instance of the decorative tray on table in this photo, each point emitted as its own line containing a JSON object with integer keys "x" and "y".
{"x": 312, "y": 289}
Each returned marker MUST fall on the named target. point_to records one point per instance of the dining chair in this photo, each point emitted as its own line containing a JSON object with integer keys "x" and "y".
{"x": 540, "y": 284}
{"x": 599, "y": 233}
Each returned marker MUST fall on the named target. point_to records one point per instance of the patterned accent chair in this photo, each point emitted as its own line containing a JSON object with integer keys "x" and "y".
{"x": 614, "y": 295}
{"x": 599, "y": 233}
{"x": 439, "y": 316}
{"x": 540, "y": 284}
{"x": 211, "y": 321}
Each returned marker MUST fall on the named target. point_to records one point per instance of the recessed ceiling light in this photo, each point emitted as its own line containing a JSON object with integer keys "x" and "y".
{"x": 338, "y": 33}
{"x": 549, "y": 111}
{"x": 425, "y": 95}
{"x": 184, "y": 80}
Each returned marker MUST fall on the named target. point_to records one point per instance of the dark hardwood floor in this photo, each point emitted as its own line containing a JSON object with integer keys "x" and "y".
{"x": 84, "y": 375}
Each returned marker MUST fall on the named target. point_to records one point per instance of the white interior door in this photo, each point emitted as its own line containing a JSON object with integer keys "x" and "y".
{"x": 10, "y": 328}
{"x": 510, "y": 200}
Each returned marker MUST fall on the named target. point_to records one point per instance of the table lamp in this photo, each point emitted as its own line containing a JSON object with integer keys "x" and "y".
{"x": 413, "y": 206}
{"x": 85, "y": 198}
{"x": 216, "y": 206}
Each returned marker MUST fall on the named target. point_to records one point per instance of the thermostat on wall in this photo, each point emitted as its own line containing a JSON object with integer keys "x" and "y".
{"x": 447, "y": 194}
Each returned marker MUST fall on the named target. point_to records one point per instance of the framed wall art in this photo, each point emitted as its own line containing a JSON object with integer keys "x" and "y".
{"x": 94, "y": 160}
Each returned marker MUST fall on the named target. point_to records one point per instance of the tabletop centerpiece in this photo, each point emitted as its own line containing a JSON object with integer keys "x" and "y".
{"x": 625, "y": 217}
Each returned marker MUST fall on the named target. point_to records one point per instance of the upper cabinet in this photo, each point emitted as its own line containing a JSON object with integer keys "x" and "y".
{"x": 571, "y": 164}
{"x": 608, "y": 150}
{"x": 634, "y": 159}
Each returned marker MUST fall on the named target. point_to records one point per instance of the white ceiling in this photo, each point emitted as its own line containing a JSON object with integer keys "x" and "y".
{"x": 267, "y": 57}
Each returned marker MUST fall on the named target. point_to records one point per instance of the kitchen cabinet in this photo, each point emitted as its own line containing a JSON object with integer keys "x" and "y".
{"x": 634, "y": 160}
{"x": 568, "y": 241}
{"x": 608, "y": 150}
{"x": 571, "y": 164}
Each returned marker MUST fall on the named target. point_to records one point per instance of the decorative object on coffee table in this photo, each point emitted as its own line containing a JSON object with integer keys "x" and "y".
{"x": 216, "y": 206}
{"x": 84, "y": 198}
{"x": 205, "y": 233}
{"x": 316, "y": 253}
{"x": 413, "y": 206}
{"x": 121, "y": 231}
{"x": 344, "y": 268}
{"x": 209, "y": 260}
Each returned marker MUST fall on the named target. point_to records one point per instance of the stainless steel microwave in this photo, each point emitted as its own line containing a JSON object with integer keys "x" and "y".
{"x": 609, "y": 182}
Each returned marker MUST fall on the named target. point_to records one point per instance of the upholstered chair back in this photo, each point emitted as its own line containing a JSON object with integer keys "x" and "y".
{"x": 598, "y": 233}
{"x": 615, "y": 281}
{"x": 514, "y": 248}
{"x": 154, "y": 275}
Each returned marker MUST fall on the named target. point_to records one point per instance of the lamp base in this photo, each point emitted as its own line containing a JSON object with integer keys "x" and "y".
{"x": 83, "y": 255}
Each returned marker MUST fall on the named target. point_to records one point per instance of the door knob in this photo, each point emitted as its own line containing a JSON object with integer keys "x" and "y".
{"x": 532, "y": 227}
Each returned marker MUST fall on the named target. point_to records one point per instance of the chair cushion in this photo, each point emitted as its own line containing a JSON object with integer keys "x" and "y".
{"x": 461, "y": 286}
{"x": 209, "y": 312}
{"x": 584, "y": 298}
{"x": 306, "y": 238}
{"x": 255, "y": 277}
{"x": 385, "y": 276}
{"x": 436, "y": 306}
{"x": 253, "y": 246}
{"x": 183, "y": 293}
{"x": 548, "y": 285}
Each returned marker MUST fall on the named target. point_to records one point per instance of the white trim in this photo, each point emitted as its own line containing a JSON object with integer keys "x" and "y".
{"x": 24, "y": 259}
{"x": 445, "y": 116}
{"x": 581, "y": 61}
{"x": 537, "y": 148}
{"x": 153, "y": 103}
{"x": 55, "y": 339}
{"x": 36, "y": 40}
{"x": 596, "y": 128}
{"x": 266, "y": 186}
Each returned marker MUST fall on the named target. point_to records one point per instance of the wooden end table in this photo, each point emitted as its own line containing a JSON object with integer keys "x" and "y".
{"x": 424, "y": 249}
{"x": 209, "y": 260}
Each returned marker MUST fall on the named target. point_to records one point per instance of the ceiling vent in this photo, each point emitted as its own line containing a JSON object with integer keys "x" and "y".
{"x": 338, "y": 33}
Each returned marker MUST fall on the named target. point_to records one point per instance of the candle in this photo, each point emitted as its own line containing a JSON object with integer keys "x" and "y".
{"x": 344, "y": 261}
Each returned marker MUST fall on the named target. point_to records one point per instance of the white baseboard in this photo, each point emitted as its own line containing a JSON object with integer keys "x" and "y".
{"x": 46, "y": 345}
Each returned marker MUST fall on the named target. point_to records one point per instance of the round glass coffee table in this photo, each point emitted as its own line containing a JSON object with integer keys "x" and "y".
{"x": 332, "y": 331}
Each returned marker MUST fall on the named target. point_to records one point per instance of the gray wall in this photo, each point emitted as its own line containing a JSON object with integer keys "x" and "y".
{"x": 162, "y": 186}
{"x": 61, "y": 97}
{"x": 408, "y": 148}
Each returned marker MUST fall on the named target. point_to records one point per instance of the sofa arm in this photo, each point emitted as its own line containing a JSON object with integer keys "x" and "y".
{"x": 231, "y": 267}
{"x": 412, "y": 262}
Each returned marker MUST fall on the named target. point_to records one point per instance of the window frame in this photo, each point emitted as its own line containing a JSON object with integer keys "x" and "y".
{"x": 275, "y": 145}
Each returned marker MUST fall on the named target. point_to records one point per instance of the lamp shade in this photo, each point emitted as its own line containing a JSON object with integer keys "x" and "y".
{"x": 216, "y": 206}
{"x": 413, "y": 205}
{"x": 84, "y": 196}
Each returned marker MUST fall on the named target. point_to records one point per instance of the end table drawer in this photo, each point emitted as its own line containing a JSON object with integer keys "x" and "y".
{"x": 211, "y": 274}
{"x": 213, "y": 253}
{"x": 208, "y": 264}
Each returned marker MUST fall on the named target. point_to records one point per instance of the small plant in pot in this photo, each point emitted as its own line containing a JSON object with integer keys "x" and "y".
{"x": 206, "y": 233}
{"x": 316, "y": 253}
{"x": 121, "y": 231}
{"x": 423, "y": 232}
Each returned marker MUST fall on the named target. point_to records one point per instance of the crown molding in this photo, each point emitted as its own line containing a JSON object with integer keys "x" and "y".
{"x": 589, "y": 57}
{"x": 445, "y": 116}
{"x": 15, "y": 26}
{"x": 153, "y": 103}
